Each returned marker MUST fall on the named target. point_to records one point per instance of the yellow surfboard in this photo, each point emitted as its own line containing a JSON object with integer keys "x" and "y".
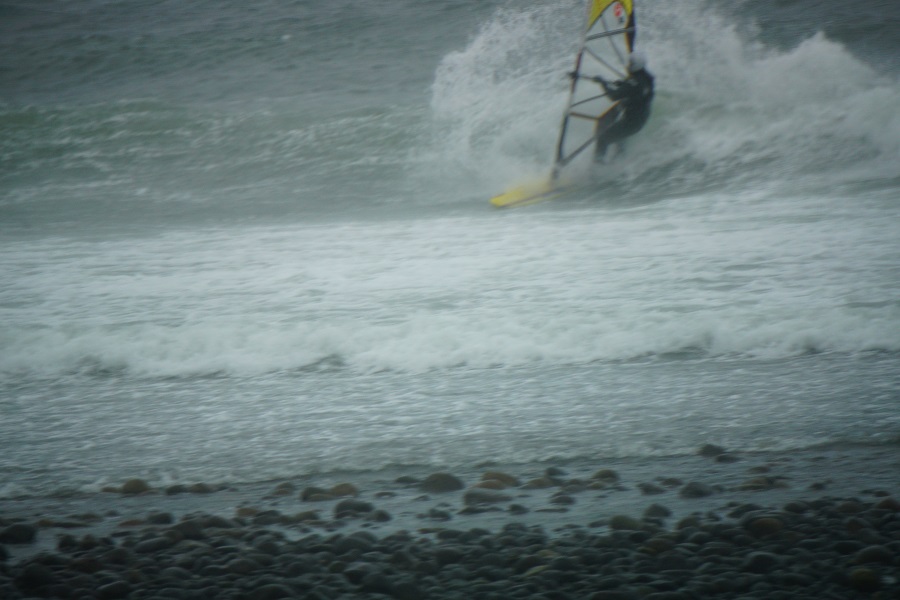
{"x": 530, "y": 193}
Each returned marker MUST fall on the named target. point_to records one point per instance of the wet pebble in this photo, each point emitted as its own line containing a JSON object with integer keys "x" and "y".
{"x": 18, "y": 533}
{"x": 438, "y": 483}
{"x": 135, "y": 486}
{"x": 696, "y": 490}
{"x": 352, "y": 507}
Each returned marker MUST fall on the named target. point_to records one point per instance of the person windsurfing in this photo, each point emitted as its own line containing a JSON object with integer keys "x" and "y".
{"x": 635, "y": 95}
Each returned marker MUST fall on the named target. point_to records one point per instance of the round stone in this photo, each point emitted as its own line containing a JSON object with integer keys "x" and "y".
{"x": 135, "y": 486}
{"x": 438, "y": 483}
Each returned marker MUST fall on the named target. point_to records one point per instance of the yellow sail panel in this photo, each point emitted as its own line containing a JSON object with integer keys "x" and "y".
{"x": 599, "y": 6}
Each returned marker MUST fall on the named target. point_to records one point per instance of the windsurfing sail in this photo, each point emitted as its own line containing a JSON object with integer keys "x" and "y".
{"x": 605, "y": 45}
{"x": 607, "y": 41}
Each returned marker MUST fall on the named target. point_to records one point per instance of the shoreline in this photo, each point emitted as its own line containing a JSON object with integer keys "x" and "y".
{"x": 622, "y": 502}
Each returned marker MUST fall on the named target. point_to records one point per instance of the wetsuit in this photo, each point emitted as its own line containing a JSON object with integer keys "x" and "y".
{"x": 636, "y": 95}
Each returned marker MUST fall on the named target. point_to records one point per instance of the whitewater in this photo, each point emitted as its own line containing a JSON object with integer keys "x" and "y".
{"x": 242, "y": 243}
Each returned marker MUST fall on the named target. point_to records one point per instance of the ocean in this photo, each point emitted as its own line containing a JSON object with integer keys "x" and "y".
{"x": 249, "y": 241}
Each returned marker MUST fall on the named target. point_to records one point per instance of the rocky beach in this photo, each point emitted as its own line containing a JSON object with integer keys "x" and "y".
{"x": 822, "y": 523}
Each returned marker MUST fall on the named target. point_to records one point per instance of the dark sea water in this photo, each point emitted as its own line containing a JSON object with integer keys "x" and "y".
{"x": 249, "y": 240}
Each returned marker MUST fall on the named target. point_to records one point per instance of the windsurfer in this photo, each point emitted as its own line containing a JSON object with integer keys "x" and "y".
{"x": 635, "y": 94}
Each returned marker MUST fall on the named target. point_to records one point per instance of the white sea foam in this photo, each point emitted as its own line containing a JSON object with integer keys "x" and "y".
{"x": 448, "y": 293}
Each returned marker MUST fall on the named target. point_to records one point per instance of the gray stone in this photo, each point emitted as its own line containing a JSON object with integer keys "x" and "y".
{"x": 564, "y": 563}
{"x": 272, "y": 591}
{"x": 875, "y": 554}
{"x": 380, "y": 516}
{"x": 352, "y": 543}
{"x": 352, "y": 507}
{"x": 242, "y": 566}
{"x": 797, "y": 580}
{"x": 160, "y": 518}
{"x": 218, "y": 522}
{"x": 624, "y": 522}
{"x": 406, "y": 590}
{"x": 614, "y": 595}
{"x": 438, "y": 483}
{"x": 191, "y": 529}
{"x": 19, "y": 533}
{"x": 727, "y": 458}
{"x": 376, "y": 583}
{"x": 761, "y": 562}
{"x": 864, "y": 579}
{"x": 114, "y": 590}
{"x": 672, "y": 561}
{"x": 268, "y": 517}
{"x": 667, "y": 596}
{"x": 650, "y": 489}
{"x": 135, "y": 486}
{"x": 657, "y": 511}
{"x": 176, "y": 573}
{"x": 484, "y": 496}
{"x": 152, "y": 545}
{"x": 696, "y": 490}
{"x": 448, "y": 555}
{"x": 356, "y": 572}
{"x": 35, "y": 575}
{"x": 711, "y": 450}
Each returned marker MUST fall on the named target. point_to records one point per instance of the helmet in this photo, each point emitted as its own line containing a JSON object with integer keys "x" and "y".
{"x": 636, "y": 61}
